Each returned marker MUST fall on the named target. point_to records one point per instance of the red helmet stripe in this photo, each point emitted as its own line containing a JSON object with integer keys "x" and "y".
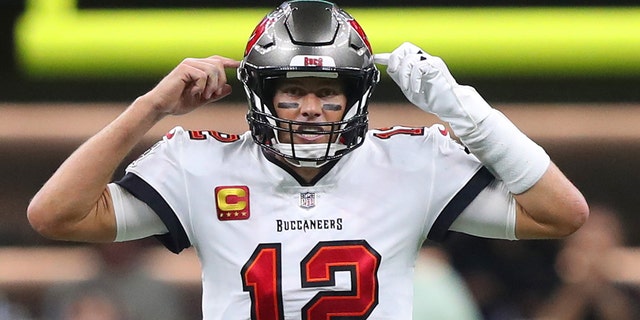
{"x": 354, "y": 24}
{"x": 257, "y": 33}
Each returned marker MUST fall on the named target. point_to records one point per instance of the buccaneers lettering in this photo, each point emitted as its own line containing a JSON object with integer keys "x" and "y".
{"x": 305, "y": 225}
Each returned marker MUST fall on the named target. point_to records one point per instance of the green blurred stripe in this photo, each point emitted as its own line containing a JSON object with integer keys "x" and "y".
{"x": 54, "y": 39}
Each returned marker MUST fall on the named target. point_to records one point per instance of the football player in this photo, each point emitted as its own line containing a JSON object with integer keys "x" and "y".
{"x": 309, "y": 214}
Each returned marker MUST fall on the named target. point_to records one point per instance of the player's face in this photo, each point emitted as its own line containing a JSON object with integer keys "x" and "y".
{"x": 310, "y": 100}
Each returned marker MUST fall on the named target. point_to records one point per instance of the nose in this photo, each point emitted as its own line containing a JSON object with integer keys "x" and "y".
{"x": 311, "y": 107}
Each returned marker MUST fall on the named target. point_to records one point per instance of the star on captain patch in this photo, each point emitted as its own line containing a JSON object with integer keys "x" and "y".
{"x": 307, "y": 200}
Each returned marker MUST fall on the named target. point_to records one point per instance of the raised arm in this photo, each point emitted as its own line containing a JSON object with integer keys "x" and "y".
{"x": 548, "y": 204}
{"x": 75, "y": 204}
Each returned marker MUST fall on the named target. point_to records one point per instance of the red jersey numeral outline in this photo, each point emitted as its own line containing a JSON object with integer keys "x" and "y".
{"x": 220, "y": 136}
{"x": 261, "y": 277}
{"x": 387, "y": 133}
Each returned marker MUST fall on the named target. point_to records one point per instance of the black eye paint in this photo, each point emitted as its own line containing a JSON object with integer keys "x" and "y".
{"x": 288, "y": 105}
{"x": 331, "y": 107}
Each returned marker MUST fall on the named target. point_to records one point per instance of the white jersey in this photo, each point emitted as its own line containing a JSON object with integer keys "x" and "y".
{"x": 274, "y": 247}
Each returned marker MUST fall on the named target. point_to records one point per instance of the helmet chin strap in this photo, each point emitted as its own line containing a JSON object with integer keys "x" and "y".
{"x": 308, "y": 151}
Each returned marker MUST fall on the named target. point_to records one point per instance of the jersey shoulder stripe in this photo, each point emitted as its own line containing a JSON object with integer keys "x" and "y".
{"x": 176, "y": 239}
{"x": 440, "y": 229}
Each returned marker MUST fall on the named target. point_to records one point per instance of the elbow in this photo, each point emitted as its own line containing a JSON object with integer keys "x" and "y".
{"x": 575, "y": 216}
{"x": 559, "y": 220}
{"x": 45, "y": 221}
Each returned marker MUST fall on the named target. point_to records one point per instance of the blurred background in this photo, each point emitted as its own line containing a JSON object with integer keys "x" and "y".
{"x": 566, "y": 72}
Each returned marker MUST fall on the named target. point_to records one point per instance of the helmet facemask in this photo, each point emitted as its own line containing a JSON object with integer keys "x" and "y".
{"x": 285, "y": 45}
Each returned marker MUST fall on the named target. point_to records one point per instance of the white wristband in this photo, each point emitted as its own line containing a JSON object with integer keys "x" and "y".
{"x": 507, "y": 152}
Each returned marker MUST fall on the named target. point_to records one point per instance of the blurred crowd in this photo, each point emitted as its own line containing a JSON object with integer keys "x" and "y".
{"x": 122, "y": 289}
{"x": 570, "y": 279}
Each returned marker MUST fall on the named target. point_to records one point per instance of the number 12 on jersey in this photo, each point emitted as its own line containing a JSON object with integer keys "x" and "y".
{"x": 261, "y": 277}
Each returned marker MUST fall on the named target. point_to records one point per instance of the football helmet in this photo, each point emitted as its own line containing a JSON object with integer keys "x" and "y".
{"x": 306, "y": 38}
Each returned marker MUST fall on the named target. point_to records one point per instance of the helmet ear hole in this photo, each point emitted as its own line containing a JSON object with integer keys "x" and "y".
{"x": 242, "y": 75}
{"x": 261, "y": 130}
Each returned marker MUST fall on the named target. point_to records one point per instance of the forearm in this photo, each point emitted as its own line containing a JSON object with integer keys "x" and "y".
{"x": 77, "y": 189}
{"x": 548, "y": 205}
{"x": 551, "y": 208}
{"x": 75, "y": 204}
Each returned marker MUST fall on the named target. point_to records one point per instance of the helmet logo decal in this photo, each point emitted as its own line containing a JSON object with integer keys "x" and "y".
{"x": 308, "y": 61}
{"x": 312, "y": 61}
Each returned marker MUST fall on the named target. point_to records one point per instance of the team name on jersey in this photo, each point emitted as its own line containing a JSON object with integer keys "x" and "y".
{"x": 306, "y": 225}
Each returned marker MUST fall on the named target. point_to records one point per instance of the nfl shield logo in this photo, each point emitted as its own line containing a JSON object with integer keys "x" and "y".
{"x": 307, "y": 200}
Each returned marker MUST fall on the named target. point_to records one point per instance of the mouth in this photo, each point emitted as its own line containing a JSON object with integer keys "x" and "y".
{"x": 310, "y": 133}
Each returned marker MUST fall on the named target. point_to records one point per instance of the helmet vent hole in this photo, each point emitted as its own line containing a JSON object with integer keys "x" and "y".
{"x": 268, "y": 45}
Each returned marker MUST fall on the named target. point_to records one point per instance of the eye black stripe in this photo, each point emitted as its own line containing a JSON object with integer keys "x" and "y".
{"x": 288, "y": 105}
{"x": 331, "y": 107}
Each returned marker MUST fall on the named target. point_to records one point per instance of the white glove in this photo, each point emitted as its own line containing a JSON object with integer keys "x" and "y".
{"x": 426, "y": 81}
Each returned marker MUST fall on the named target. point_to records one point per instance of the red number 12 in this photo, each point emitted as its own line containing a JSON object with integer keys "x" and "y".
{"x": 261, "y": 277}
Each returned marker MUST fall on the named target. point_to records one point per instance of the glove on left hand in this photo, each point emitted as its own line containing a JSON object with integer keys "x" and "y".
{"x": 426, "y": 81}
